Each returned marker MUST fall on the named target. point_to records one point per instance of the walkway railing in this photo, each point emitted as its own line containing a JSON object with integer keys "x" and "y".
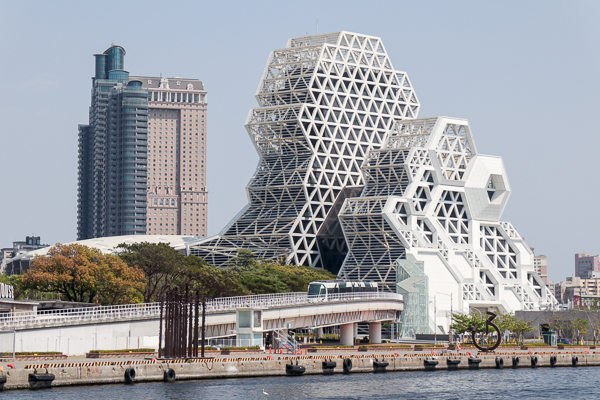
{"x": 132, "y": 312}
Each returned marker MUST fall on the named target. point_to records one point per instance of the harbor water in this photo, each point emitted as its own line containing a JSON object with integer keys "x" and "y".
{"x": 538, "y": 383}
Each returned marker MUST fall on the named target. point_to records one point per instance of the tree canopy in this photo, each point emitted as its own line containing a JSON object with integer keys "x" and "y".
{"x": 261, "y": 276}
{"x": 143, "y": 272}
{"x": 162, "y": 265}
{"x": 84, "y": 274}
{"x": 211, "y": 281}
{"x": 463, "y": 323}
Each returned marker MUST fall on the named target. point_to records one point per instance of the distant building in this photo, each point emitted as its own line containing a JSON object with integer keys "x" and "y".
{"x": 585, "y": 264}
{"x": 10, "y": 260}
{"x": 105, "y": 244}
{"x": 142, "y": 166}
{"x": 568, "y": 288}
{"x": 576, "y": 286}
{"x": 552, "y": 288}
{"x": 540, "y": 264}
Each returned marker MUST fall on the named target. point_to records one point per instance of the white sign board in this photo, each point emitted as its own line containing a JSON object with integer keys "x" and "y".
{"x": 6, "y": 291}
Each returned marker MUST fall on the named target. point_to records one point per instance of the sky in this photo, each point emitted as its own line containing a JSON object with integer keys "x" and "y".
{"x": 524, "y": 73}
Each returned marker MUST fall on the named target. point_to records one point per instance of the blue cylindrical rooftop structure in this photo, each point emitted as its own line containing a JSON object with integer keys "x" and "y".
{"x": 115, "y": 58}
{"x": 101, "y": 72}
{"x": 135, "y": 83}
{"x": 118, "y": 75}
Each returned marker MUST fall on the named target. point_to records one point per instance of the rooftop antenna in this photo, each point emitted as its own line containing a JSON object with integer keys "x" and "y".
{"x": 317, "y": 27}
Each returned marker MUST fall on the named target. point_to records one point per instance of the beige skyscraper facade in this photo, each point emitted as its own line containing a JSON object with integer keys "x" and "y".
{"x": 177, "y": 126}
{"x": 540, "y": 264}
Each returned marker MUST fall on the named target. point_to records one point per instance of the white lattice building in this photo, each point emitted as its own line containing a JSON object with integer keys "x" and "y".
{"x": 324, "y": 102}
{"x": 428, "y": 225}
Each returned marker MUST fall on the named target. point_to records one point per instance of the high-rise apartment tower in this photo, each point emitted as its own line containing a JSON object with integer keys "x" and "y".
{"x": 586, "y": 265}
{"x": 142, "y": 156}
{"x": 540, "y": 264}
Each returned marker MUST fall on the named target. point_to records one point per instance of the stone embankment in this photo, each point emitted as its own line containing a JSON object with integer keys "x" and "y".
{"x": 86, "y": 373}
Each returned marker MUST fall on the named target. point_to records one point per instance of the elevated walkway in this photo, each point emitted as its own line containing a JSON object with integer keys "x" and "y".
{"x": 303, "y": 310}
{"x": 76, "y": 331}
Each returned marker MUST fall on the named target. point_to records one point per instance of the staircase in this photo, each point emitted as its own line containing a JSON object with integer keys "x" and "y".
{"x": 281, "y": 340}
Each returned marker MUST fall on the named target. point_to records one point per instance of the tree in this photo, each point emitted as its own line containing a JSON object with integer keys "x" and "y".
{"x": 162, "y": 266}
{"x": 520, "y": 327}
{"x": 84, "y": 274}
{"x": 244, "y": 261}
{"x": 579, "y": 327}
{"x": 262, "y": 276}
{"x": 558, "y": 323}
{"x": 594, "y": 324}
{"x": 210, "y": 281}
{"x": 505, "y": 322}
{"x": 464, "y": 323}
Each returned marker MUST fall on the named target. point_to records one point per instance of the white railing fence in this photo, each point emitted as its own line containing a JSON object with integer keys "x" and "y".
{"x": 125, "y": 312}
{"x": 219, "y": 343}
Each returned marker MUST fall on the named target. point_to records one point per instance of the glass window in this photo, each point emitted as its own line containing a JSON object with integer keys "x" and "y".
{"x": 257, "y": 319}
{"x": 244, "y": 321}
{"x": 313, "y": 289}
{"x": 257, "y": 339}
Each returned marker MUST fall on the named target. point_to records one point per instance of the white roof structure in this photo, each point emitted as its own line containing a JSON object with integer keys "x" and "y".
{"x": 109, "y": 243}
{"x": 324, "y": 102}
{"x": 428, "y": 221}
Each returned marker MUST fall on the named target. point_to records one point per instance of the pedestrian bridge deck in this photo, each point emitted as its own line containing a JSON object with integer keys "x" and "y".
{"x": 280, "y": 310}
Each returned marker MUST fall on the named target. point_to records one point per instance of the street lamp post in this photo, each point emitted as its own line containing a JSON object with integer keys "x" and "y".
{"x": 435, "y": 313}
{"x": 434, "y": 320}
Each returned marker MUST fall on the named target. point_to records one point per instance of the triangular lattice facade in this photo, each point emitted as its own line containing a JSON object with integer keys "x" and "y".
{"x": 430, "y": 197}
{"x": 325, "y": 102}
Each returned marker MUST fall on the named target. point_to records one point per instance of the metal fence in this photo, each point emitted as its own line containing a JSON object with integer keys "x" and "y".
{"x": 132, "y": 312}
{"x": 233, "y": 342}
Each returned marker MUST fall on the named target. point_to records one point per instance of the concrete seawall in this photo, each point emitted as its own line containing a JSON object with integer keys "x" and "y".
{"x": 68, "y": 374}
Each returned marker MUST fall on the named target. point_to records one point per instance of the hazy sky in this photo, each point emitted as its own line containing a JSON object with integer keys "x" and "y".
{"x": 524, "y": 73}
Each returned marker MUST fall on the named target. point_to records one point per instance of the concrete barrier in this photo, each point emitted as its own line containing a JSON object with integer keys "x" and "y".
{"x": 67, "y": 374}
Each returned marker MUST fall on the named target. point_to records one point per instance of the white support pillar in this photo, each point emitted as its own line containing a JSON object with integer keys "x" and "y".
{"x": 347, "y": 334}
{"x": 375, "y": 332}
{"x": 319, "y": 334}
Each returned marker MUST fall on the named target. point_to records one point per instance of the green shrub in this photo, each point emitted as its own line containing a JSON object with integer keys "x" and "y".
{"x": 331, "y": 336}
{"x": 390, "y": 346}
{"x": 333, "y": 347}
{"x": 124, "y": 351}
{"x": 240, "y": 348}
{"x": 429, "y": 345}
